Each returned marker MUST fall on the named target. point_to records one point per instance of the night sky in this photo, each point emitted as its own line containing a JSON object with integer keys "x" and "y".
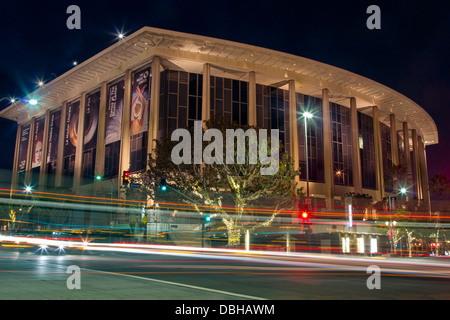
{"x": 410, "y": 53}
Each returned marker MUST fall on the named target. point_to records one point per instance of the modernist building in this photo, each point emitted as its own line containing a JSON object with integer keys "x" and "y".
{"x": 100, "y": 118}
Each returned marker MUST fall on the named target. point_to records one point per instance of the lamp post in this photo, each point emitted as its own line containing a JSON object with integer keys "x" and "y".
{"x": 307, "y": 115}
{"x": 401, "y": 191}
{"x": 100, "y": 178}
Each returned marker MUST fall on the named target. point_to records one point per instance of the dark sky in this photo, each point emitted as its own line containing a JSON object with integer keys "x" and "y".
{"x": 410, "y": 53}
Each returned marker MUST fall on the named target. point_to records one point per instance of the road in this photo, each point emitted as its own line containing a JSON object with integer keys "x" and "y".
{"x": 171, "y": 273}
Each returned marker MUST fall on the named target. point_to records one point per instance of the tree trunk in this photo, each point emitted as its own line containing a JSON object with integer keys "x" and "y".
{"x": 234, "y": 234}
{"x": 234, "y": 237}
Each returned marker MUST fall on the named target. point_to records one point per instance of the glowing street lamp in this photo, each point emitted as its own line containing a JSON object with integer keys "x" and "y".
{"x": 10, "y": 99}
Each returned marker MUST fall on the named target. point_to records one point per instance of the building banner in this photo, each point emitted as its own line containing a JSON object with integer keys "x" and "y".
{"x": 71, "y": 128}
{"x": 53, "y": 135}
{"x": 114, "y": 112}
{"x": 91, "y": 121}
{"x": 38, "y": 142}
{"x": 139, "y": 102}
{"x": 23, "y": 147}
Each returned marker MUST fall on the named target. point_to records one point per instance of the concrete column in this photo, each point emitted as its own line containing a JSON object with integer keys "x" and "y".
{"x": 60, "y": 155}
{"x": 378, "y": 152}
{"x": 407, "y": 153}
{"x": 356, "y": 156}
{"x": 327, "y": 150}
{"x": 206, "y": 94}
{"x": 153, "y": 126}
{"x": 43, "y": 169}
{"x": 15, "y": 174}
{"x": 28, "y": 167}
{"x": 293, "y": 127}
{"x": 424, "y": 173}
{"x": 252, "y": 98}
{"x": 124, "y": 159}
{"x": 417, "y": 172}
{"x": 101, "y": 127}
{"x": 78, "y": 167}
{"x": 394, "y": 141}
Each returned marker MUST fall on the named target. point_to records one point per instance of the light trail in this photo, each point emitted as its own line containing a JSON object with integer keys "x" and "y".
{"x": 273, "y": 257}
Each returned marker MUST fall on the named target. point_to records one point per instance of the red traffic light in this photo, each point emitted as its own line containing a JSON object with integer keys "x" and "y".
{"x": 126, "y": 177}
{"x": 304, "y": 215}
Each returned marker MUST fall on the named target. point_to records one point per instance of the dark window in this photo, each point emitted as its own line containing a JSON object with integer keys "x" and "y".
{"x": 182, "y": 104}
{"x": 88, "y": 166}
{"x": 365, "y": 126}
{"x": 229, "y": 100}
{"x": 138, "y": 156}
{"x": 69, "y": 167}
{"x": 341, "y": 144}
{"x": 112, "y": 154}
{"x": 315, "y": 137}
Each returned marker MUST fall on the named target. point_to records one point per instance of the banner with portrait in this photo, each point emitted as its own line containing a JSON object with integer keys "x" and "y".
{"x": 71, "y": 128}
{"x": 23, "y": 147}
{"x": 91, "y": 120}
{"x": 53, "y": 136}
{"x": 114, "y": 112}
{"x": 38, "y": 142}
{"x": 140, "y": 102}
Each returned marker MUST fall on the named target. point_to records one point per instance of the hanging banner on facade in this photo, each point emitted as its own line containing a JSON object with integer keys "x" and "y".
{"x": 140, "y": 102}
{"x": 53, "y": 135}
{"x": 38, "y": 142}
{"x": 71, "y": 128}
{"x": 91, "y": 121}
{"x": 23, "y": 147}
{"x": 114, "y": 112}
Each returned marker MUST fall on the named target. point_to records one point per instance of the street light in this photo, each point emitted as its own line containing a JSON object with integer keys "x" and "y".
{"x": 100, "y": 178}
{"x": 307, "y": 115}
{"x": 10, "y": 99}
{"x": 391, "y": 197}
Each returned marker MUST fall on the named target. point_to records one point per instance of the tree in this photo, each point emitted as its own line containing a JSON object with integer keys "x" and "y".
{"x": 396, "y": 177}
{"x": 439, "y": 184}
{"x": 214, "y": 186}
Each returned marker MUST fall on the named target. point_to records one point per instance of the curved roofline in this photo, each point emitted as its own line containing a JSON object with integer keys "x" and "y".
{"x": 270, "y": 66}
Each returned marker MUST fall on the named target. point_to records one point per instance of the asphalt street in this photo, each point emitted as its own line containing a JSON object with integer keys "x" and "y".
{"x": 170, "y": 274}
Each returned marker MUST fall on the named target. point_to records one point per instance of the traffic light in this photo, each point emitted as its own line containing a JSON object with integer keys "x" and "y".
{"x": 163, "y": 184}
{"x": 126, "y": 177}
{"x": 304, "y": 215}
{"x": 207, "y": 218}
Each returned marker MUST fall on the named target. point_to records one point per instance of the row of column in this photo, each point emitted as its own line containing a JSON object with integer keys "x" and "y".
{"x": 420, "y": 169}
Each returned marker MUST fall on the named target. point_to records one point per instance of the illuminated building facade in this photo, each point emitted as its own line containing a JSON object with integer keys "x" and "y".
{"x": 101, "y": 117}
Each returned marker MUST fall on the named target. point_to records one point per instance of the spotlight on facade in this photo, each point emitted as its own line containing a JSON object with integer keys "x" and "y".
{"x": 403, "y": 190}
{"x": 41, "y": 83}
{"x": 33, "y": 102}
{"x": 74, "y": 63}
{"x": 121, "y": 36}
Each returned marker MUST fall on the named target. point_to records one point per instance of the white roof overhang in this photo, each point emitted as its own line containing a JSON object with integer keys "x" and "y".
{"x": 230, "y": 59}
